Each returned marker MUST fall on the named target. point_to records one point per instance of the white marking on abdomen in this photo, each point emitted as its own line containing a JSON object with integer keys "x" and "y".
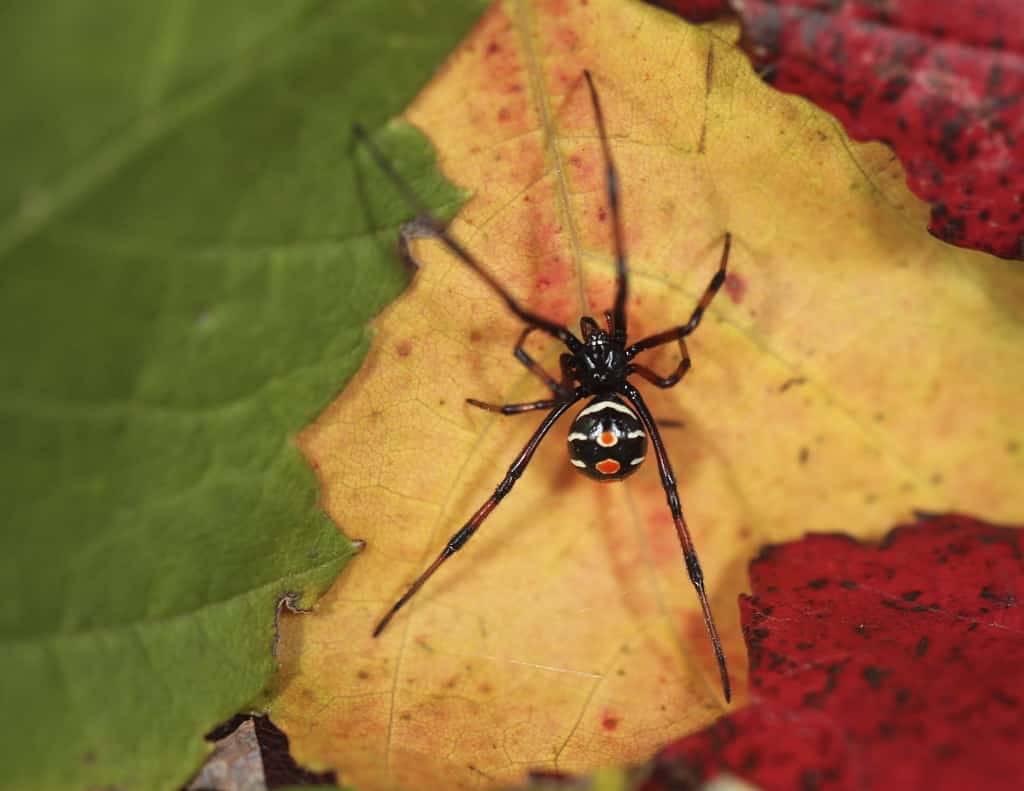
{"x": 578, "y": 435}
{"x": 605, "y": 405}
{"x": 579, "y": 463}
{"x": 634, "y": 434}
{"x": 636, "y": 461}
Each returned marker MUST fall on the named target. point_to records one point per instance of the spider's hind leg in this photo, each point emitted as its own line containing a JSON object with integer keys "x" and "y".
{"x": 461, "y": 536}
{"x": 668, "y": 482}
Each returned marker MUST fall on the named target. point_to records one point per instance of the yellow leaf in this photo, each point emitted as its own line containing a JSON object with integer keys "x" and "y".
{"x": 853, "y": 368}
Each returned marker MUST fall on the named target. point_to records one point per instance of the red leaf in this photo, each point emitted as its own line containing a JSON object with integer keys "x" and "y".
{"x": 695, "y": 10}
{"x": 896, "y": 666}
{"x": 942, "y": 83}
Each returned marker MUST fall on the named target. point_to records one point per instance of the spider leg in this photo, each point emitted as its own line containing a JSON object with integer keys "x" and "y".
{"x": 531, "y": 318}
{"x": 618, "y": 319}
{"x": 558, "y": 388}
{"x": 663, "y": 381}
{"x": 562, "y": 390}
{"x": 668, "y": 481}
{"x": 682, "y": 331}
{"x": 458, "y": 540}
{"x": 514, "y": 409}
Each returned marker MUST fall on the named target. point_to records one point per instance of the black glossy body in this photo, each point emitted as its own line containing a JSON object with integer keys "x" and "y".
{"x": 602, "y": 362}
{"x": 607, "y": 441}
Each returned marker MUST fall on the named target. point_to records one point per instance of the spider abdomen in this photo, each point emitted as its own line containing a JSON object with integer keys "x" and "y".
{"x": 607, "y": 441}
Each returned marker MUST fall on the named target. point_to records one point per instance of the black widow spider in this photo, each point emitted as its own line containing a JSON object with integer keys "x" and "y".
{"x": 608, "y": 438}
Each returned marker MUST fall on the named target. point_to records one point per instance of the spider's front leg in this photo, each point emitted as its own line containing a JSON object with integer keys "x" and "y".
{"x": 680, "y": 332}
{"x": 459, "y": 539}
{"x": 441, "y": 232}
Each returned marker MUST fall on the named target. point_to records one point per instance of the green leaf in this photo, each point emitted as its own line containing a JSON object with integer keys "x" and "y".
{"x": 188, "y": 266}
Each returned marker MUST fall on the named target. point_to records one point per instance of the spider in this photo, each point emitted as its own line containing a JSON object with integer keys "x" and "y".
{"x": 608, "y": 437}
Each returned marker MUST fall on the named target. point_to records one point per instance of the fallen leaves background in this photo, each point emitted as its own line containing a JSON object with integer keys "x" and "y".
{"x": 942, "y": 84}
{"x": 853, "y": 368}
{"x": 189, "y": 260}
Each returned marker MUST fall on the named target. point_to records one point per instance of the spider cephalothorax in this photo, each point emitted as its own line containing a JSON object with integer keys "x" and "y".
{"x": 608, "y": 438}
{"x": 601, "y": 362}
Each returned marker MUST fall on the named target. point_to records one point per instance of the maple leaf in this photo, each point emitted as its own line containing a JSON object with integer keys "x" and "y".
{"x": 852, "y": 368}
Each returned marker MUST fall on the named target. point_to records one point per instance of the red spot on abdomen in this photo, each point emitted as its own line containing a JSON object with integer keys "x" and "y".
{"x": 608, "y": 466}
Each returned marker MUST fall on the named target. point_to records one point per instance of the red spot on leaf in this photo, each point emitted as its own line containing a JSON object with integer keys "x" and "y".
{"x": 569, "y": 37}
{"x": 404, "y": 348}
{"x": 493, "y": 47}
{"x": 735, "y": 287}
{"x": 504, "y": 114}
{"x": 609, "y": 722}
{"x": 555, "y": 7}
{"x": 877, "y": 667}
{"x": 602, "y": 214}
{"x": 585, "y": 171}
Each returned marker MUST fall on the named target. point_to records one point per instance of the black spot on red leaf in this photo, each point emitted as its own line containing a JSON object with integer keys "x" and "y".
{"x": 874, "y": 676}
{"x": 925, "y": 697}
